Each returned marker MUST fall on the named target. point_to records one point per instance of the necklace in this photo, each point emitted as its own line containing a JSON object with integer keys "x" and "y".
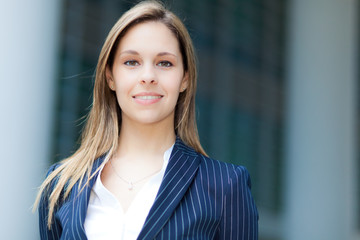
{"x": 131, "y": 183}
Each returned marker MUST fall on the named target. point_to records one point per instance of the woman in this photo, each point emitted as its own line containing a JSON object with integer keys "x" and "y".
{"x": 140, "y": 172}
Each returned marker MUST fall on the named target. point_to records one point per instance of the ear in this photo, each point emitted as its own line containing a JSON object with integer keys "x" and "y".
{"x": 185, "y": 82}
{"x": 109, "y": 78}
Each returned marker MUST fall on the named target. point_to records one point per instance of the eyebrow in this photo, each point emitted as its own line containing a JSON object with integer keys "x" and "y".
{"x": 129, "y": 52}
{"x": 166, "y": 53}
{"x": 136, "y": 53}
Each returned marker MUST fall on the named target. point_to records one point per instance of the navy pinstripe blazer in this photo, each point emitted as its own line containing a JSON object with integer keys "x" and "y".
{"x": 199, "y": 198}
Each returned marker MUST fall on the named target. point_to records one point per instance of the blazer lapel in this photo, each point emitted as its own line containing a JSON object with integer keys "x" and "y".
{"x": 181, "y": 169}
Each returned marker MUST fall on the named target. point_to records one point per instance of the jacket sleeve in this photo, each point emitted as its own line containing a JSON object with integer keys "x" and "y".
{"x": 55, "y": 231}
{"x": 240, "y": 216}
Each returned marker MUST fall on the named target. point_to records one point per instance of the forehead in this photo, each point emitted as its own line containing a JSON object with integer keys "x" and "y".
{"x": 155, "y": 36}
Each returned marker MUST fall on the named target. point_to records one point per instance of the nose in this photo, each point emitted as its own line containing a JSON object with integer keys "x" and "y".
{"x": 148, "y": 75}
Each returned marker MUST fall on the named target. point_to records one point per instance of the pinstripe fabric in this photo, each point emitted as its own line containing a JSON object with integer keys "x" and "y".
{"x": 199, "y": 198}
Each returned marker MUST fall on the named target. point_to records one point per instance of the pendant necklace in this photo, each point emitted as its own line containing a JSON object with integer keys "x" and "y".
{"x": 131, "y": 183}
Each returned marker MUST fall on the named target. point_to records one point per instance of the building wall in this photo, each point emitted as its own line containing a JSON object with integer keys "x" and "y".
{"x": 320, "y": 170}
{"x": 28, "y": 47}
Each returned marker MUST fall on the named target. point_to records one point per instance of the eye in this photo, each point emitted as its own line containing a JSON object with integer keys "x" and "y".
{"x": 131, "y": 63}
{"x": 165, "y": 64}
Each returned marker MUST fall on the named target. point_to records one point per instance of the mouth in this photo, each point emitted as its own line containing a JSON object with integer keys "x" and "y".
{"x": 148, "y": 97}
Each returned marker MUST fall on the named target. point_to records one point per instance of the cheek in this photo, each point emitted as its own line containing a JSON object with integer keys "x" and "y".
{"x": 173, "y": 90}
{"x": 123, "y": 88}
{"x": 122, "y": 81}
{"x": 175, "y": 83}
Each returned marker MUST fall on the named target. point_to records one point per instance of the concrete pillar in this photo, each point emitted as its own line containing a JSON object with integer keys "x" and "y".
{"x": 28, "y": 46}
{"x": 321, "y": 113}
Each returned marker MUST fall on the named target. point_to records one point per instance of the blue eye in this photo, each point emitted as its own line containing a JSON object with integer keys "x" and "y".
{"x": 131, "y": 63}
{"x": 165, "y": 64}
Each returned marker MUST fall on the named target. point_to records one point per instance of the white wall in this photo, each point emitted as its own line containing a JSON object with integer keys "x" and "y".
{"x": 28, "y": 48}
{"x": 321, "y": 113}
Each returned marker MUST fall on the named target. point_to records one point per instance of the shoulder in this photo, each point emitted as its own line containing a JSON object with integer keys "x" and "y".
{"x": 57, "y": 168}
{"x": 229, "y": 185}
{"x": 49, "y": 184}
{"x": 52, "y": 168}
{"x": 233, "y": 183}
{"x": 222, "y": 171}
{"x": 228, "y": 172}
{"x": 54, "y": 179}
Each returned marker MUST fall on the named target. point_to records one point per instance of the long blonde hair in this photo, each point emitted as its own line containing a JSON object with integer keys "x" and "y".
{"x": 102, "y": 128}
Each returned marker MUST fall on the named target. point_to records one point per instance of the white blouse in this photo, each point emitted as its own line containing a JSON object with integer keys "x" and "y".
{"x": 105, "y": 218}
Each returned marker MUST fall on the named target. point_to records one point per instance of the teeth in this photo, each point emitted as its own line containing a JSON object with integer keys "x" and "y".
{"x": 147, "y": 97}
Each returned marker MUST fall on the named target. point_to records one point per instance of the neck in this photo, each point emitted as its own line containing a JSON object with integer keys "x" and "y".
{"x": 143, "y": 141}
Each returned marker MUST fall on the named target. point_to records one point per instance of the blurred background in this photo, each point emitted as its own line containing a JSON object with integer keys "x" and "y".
{"x": 278, "y": 93}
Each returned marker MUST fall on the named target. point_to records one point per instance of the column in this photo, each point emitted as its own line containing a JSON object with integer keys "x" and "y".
{"x": 28, "y": 45}
{"x": 321, "y": 113}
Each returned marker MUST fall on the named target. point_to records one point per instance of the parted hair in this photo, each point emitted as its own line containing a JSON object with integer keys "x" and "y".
{"x": 103, "y": 124}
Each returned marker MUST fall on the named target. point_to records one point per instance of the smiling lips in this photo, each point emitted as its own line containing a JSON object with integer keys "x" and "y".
{"x": 147, "y": 98}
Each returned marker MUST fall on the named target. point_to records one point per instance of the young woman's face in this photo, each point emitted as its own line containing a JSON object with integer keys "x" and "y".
{"x": 147, "y": 74}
